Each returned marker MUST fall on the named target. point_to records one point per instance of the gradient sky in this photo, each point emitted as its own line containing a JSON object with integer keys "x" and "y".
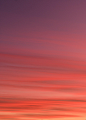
{"x": 42, "y": 59}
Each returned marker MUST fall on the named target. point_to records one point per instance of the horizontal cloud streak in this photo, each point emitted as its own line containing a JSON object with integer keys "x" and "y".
{"x": 44, "y": 108}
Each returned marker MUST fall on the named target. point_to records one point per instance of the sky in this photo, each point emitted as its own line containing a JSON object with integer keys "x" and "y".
{"x": 42, "y": 59}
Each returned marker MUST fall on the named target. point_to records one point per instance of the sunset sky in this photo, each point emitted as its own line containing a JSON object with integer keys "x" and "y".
{"x": 42, "y": 59}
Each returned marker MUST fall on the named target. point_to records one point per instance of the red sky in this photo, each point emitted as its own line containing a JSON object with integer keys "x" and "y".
{"x": 42, "y": 60}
